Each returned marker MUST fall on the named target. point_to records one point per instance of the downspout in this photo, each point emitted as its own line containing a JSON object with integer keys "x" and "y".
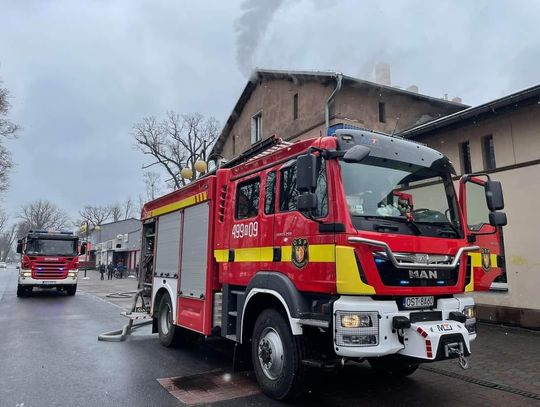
{"x": 339, "y": 79}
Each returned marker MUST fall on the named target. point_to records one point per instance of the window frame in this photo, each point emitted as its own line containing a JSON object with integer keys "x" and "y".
{"x": 256, "y": 127}
{"x": 465, "y": 157}
{"x": 382, "y": 112}
{"x": 241, "y": 184}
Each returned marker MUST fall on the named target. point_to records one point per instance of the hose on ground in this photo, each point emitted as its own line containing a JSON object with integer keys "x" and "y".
{"x": 120, "y": 335}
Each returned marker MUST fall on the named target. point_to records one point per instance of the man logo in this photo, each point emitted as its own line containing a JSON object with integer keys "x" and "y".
{"x": 486, "y": 260}
{"x": 299, "y": 252}
{"x": 429, "y": 274}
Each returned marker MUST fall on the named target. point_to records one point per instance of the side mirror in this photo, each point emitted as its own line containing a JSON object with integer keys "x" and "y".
{"x": 306, "y": 202}
{"x": 494, "y": 195}
{"x": 306, "y": 173}
{"x": 19, "y": 246}
{"x": 83, "y": 248}
{"x": 497, "y": 219}
{"x": 356, "y": 154}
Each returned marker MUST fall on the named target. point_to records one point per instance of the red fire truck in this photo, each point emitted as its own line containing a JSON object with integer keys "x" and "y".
{"x": 49, "y": 259}
{"x": 351, "y": 247}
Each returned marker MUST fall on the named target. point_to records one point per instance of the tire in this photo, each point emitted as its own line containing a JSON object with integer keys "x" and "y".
{"x": 71, "y": 289}
{"x": 277, "y": 357}
{"x": 393, "y": 365}
{"x": 168, "y": 332}
{"x": 23, "y": 291}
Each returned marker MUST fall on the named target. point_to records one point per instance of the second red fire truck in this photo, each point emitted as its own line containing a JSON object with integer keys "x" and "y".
{"x": 354, "y": 246}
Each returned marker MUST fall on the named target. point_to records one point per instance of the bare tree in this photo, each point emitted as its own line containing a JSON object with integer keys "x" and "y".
{"x": 41, "y": 214}
{"x": 7, "y": 238}
{"x": 7, "y": 130}
{"x": 127, "y": 208}
{"x": 176, "y": 142}
{"x": 95, "y": 215}
{"x": 121, "y": 211}
{"x": 152, "y": 181}
{"x": 116, "y": 212}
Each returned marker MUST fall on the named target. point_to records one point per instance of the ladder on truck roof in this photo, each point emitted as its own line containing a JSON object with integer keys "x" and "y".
{"x": 261, "y": 149}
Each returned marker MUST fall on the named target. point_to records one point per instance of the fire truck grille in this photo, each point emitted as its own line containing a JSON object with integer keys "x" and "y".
{"x": 405, "y": 277}
{"x": 50, "y": 270}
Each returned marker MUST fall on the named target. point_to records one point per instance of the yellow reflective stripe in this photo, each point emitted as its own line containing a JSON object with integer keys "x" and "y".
{"x": 319, "y": 253}
{"x": 476, "y": 259}
{"x": 221, "y": 255}
{"x": 254, "y": 254}
{"x": 470, "y": 287}
{"x": 347, "y": 274}
{"x": 191, "y": 200}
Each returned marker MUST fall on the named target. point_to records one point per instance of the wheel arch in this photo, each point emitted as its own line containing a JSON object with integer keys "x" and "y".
{"x": 271, "y": 290}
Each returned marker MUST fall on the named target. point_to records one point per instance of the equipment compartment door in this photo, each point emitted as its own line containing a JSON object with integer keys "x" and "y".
{"x": 193, "y": 269}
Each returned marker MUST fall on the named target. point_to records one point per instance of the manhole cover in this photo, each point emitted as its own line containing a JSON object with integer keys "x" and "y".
{"x": 210, "y": 387}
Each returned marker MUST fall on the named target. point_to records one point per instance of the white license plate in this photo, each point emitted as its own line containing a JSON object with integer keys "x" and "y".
{"x": 418, "y": 302}
{"x": 48, "y": 283}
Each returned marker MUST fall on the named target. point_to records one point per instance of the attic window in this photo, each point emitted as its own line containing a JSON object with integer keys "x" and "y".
{"x": 256, "y": 128}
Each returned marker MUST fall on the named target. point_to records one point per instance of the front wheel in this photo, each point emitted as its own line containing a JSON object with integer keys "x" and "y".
{"x": 23, "y": 291}
{"x": 277, "y": 356}
{"x": 393, "y": 365}
{"x": 71, "y": 290}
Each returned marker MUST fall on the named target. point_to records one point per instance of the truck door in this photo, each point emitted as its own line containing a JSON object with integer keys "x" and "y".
{"x": 487, "y": 266}
{"x": 306, "y": 255}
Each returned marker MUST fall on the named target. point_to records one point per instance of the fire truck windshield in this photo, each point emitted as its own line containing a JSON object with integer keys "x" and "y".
{"x": 54, "y": 247}
{"x": 401, "y": 192}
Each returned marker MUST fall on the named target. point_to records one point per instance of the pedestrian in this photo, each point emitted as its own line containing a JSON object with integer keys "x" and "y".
{"x": 110, "y": 270}
{"x": 101, "y": 270}
{"x": 120, "y": 268}
{"x": 137, "y": 270}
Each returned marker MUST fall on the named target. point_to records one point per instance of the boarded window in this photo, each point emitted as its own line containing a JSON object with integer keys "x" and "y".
{"x": 488, "y": 150}
{"x": 465, "y": 157}
{"x": 247, "y": 199}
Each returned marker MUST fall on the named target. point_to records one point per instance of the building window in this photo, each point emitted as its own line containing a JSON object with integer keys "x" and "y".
{"x": 247, "y": 199}
{"x": 295, "y": 106}
{"x": 382, "y": 112}
{"x": 256, "y": 128}
{"x": 488, "y": 151}
{"x": 465, "y": 157}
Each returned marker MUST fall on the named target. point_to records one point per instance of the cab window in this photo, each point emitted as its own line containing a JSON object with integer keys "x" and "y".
{"x": 477, "y": 210}
{"x": 270, "y": 193}
{"x": 247, "y": 199}
{"x": 288, "y": 194}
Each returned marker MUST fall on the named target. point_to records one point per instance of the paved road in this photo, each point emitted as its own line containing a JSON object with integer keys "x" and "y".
{"x": 50, "y": 356}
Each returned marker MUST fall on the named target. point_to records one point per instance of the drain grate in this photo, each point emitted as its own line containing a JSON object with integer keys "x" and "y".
{"x": 484, "y": 383}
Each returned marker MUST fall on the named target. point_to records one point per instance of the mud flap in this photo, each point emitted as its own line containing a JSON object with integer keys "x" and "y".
{"x": 436, "y": 340}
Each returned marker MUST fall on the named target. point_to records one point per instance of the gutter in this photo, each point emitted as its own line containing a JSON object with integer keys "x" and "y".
{"x": 339, "y": 79}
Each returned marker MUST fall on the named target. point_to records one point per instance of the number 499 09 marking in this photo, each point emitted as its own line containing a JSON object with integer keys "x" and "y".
{"x": 241, "y": 230}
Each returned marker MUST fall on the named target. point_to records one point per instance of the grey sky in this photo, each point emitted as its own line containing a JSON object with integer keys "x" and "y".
{"x": 81, "y": 73}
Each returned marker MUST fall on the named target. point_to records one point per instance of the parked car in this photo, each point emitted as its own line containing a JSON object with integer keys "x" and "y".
{"x": 3, "y": 265}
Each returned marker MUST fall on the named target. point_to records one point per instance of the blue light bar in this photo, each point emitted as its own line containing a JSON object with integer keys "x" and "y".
{"x": 377, "y": 260}
{"x": 404, "y": 282}
{"x": 440, "y": 281}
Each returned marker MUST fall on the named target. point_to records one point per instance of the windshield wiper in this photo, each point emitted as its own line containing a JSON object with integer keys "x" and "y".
{"x": 409, "y": 222}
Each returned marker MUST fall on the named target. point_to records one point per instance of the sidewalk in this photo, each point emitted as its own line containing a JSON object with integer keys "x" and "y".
{"x": 101, "y": 288}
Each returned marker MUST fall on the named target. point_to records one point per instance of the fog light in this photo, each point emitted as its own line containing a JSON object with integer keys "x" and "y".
{"x": 360, "y": 339}
{"x": 356, "y": 321}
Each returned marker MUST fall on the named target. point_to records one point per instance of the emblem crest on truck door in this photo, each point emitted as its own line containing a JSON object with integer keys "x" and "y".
{"x": 299, "y": 255}
{"x": 486, "y": 260}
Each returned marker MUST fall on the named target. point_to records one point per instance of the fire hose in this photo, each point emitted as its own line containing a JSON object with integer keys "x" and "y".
{"x": 120, "y": 335}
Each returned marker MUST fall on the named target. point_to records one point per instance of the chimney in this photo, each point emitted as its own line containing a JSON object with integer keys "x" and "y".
{"x": 457, "y": 100}
{"x": 382, "y": 73}
{"x": 413, "y": 88}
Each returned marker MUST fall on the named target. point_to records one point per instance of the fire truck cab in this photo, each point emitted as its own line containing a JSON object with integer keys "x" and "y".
{"x": 346, "y": 247}
{"x": 49, "y": 259}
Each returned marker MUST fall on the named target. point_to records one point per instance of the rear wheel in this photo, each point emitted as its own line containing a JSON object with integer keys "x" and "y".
{"x": 168, "y": 334}
{"x": 393, "y": 365}
{"x": 71, "y": 289}
{"x": 277, "y": 356}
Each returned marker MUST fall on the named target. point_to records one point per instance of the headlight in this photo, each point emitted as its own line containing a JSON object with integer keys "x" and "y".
{"x": 469, "y": 311}
{"x": 27, "y": 274}
{"x": 356, "y": 321}
{"x": 357, "y": 328}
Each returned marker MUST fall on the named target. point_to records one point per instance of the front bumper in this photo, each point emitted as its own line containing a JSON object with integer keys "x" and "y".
{"x": 423, "y": 340}
{"x": 32, "y": 282}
